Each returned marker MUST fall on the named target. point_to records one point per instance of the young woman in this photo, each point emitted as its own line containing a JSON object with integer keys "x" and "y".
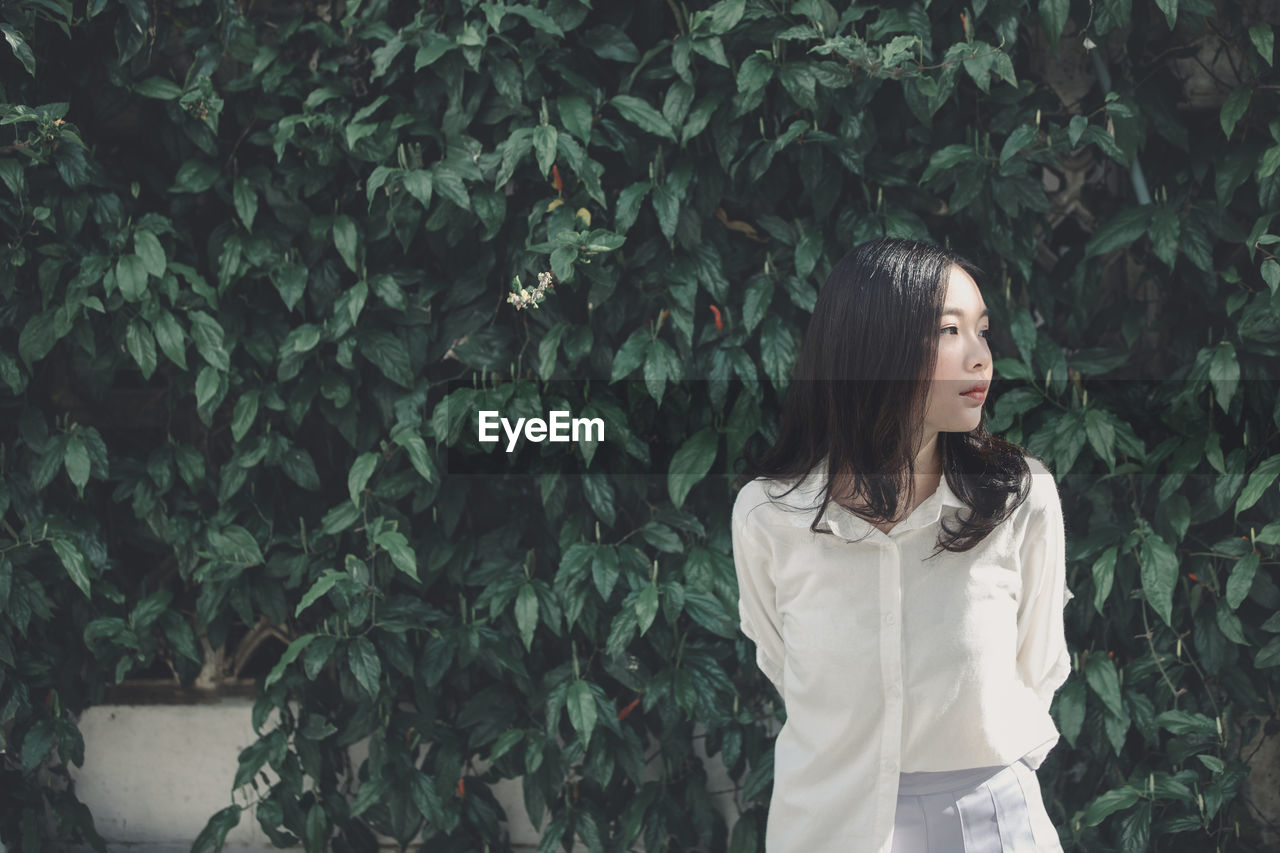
{"x": 902, "y": 575}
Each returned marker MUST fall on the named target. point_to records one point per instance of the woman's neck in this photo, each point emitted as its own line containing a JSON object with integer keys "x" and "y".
{"x": 924, "y": 482}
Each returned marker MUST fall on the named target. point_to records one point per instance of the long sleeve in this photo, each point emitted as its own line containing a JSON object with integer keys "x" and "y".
{"x": 757, "y": 611}
{"x": 1043, "y": 660}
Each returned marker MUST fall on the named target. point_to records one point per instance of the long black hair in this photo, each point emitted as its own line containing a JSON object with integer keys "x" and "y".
{"x": 859, "y": 390}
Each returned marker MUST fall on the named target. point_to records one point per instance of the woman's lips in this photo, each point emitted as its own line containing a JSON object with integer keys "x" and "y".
{"x": 976, "y": 396}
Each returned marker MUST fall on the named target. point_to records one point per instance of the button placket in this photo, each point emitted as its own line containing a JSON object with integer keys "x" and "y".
{"x": 891, "y": 671}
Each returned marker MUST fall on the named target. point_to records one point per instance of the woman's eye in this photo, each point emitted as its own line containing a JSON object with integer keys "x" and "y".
{"x": 984, "y": 332}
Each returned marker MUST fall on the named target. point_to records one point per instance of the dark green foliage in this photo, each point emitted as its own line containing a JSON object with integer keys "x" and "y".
{"x": 255, "y": 283}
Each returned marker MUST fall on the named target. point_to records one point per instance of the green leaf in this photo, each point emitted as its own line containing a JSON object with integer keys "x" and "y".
{"x": 290, "y": 281}
{"x": 630, "y": 355}
{"x": 646, "y": 607}
{"x": 1268, "y": 655}
{"x": 691, "y": 463}
{"x": 1241, "y": 579}
{"x": 800, "y": 82}
{"x": 1120, "y": 231}
{"x": 754, "y": 72}
{"x": 361, "y": 470}
{"x": 345, "y": 239}
{"x": 172, "y": 340}
{"x": 1104, "y": 570}
{"x": 388, "y": 353}
{"x": 604, "y": 570}
{"x": 725, "y": 15}
{"x": 661, "y": 363}
{"x": 1187, "y": 722}
{"x": 1159, "y": 571}
{"x": 158, "y": 87}
{"x": 544, "y": 147}
{"x": 290, "y": 655}
{"x": 435, "y": 47}
{"x": 948, "y": 157}
{"x": 1170, "y": 10}
{"x": 322, "y": 585}
{"x": 298, "y": 466}
{"x": 418, "y": 183}
{"x": 36, "y": 744}
{"x": 401, "y": 554}
{"x": 422, "y": 788}
{"x": 246, "y": 200}
{"x": 1101, "y": 675}
{"x": 1165, "y": 228}
{"x": 73, "y": 562}
{"x": 1229, "y": 623}
{"x": 527, "y": 613}
{"x": 600, "y": 240}
{"x": 808, "y": 251}
{"x": 707, "y": 610}
{"x": 582, "y": 709}
{"x": 1052, "y": 14}
{"x": 447, "y": 180}
{"x": 21, "y": 49}
{"x": 1213, "y": 762}
{"x": 1270, "y": 268}
{"x": 405, "y": 436}
{"x": 1069, "y": 708}
{"x": 1076, "y": 127}
{"x": 627, "y": 207}
{"x": 214, "y": 834}
{"x": 610, "y": 42}
{"x": 235, "y": 545}
{"x": 700, "y": 115}
{"x": 148, "y": 248}
{"x": 575, "y": 116}
{"x": 1224, "y": 373}
{"x": 777, "y": 349}
{"x": 1259, "y": 481}
{"x": 676, "y": 104}
{"x": 194, "y": 176}
{"x": 208, "y": 337}
{"x": 547, "y": 349}
{"x": 177, "y": 630}
{"x": 340, "y": 517}
{"x": 131, "y": 277}
{"x": 245, "y": 411}
{"x": 1234, "y": 107}
{"x": 141, "y": 346}
{"x": 639, "y": 113}
{"x": 207, "y": 382}
{"x": 666, "y": 204}
{"x": 362, "y": 657}
{"x": 1022, "y": 136}
{"x": 600, "y": 495}
{"x": 1101, "y": 433}
{"x": 76, "y": 458}
{"x": 1109, "y": 803}
{"x": 505, "y": 742}
{"x": 1264, "y": 41}
{"x": 38, "y": 337}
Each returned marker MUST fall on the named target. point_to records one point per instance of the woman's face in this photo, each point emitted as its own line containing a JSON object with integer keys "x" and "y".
{"x": 964, "y": 358}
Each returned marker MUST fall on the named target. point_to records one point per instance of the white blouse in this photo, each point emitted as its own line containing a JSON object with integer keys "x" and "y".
{"x": 891, "y": 663}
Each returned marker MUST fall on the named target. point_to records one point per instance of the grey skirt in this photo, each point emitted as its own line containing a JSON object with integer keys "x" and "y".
{"x": 982, "y": 810}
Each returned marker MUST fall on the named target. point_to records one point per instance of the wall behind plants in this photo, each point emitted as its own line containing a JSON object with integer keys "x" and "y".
{"x": 257, "y": 278}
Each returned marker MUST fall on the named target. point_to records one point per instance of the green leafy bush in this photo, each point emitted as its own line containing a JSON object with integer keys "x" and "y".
{"x": 257, "y": 281}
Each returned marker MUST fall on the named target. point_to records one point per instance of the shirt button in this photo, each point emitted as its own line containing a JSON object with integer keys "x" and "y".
{"x": 895, "y": 691}
{"x": 890, "y": 619}
{"x": 889, "y": 766}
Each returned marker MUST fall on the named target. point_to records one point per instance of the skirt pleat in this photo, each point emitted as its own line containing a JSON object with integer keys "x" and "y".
{"x": 981, "y": 810}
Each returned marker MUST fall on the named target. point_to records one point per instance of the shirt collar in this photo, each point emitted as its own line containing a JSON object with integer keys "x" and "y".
{"x": 805, "y": 501}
